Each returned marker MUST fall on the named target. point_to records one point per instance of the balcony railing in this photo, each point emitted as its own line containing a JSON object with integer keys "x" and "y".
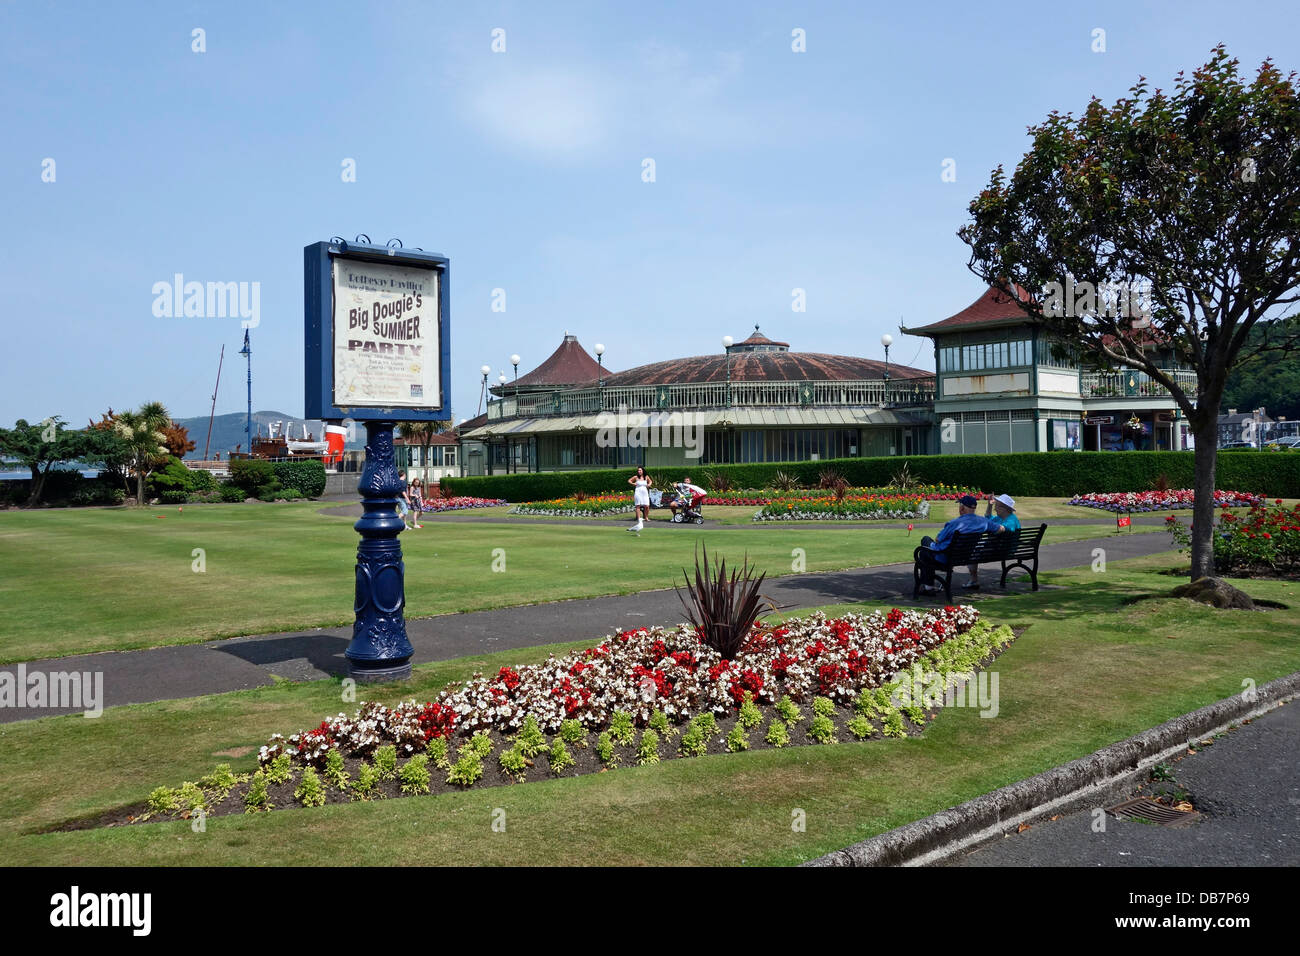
{"x": 1132, "y": 384}
{"x": 649, "y": 398}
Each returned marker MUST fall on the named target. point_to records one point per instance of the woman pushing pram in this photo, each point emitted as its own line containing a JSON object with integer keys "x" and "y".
{"x": 688, "y": 503}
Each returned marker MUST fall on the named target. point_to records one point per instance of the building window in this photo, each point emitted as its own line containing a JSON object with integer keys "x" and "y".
{"x": 983, "y": 356}
{"x": 1057, "y": 355}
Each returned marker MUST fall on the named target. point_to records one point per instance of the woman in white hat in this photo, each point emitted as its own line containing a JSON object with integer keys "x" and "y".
{"x": 1004, "y": 520}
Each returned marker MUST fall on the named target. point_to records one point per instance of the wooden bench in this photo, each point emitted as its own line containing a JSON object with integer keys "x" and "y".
{"x": 1011, "y": 549}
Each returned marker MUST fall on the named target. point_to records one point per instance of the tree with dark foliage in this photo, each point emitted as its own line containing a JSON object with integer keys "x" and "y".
{"x": 1191, "y": 197}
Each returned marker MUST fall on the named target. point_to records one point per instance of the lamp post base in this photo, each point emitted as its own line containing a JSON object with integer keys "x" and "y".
{"x": 379, "y": 650}
{"x": 383, "y": 672}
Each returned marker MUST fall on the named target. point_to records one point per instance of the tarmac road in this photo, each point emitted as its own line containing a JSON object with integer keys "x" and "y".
{"x": 1247, "y": 785}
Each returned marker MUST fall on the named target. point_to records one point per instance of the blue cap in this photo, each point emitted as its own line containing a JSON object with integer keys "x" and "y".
{"x": 968, "y": 501}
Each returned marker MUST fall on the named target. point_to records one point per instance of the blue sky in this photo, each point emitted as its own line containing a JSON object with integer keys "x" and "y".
{"x": 774, "y": 170}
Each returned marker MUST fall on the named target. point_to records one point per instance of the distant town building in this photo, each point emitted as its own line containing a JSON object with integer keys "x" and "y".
{"x": 1254, "y": 428}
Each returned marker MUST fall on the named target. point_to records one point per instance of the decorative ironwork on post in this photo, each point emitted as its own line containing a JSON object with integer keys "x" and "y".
{"x": 362, "y": 304}
{"x": 379, "y": 650}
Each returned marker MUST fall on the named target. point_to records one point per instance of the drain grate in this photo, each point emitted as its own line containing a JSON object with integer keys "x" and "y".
{"x": 1144, "y": 808}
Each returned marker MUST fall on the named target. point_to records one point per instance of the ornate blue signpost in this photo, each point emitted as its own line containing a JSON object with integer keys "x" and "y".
{"x": 377, "y": 352}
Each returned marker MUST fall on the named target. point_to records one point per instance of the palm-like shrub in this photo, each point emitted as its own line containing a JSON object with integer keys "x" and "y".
{"x": 828, "y": 477}
{"x": 718, "y": 480}
{"x": 903, "y": 479}
{"x": 723, "y": 608}
{"x": 782, "y": 481}
{"x": 142, "y": 433}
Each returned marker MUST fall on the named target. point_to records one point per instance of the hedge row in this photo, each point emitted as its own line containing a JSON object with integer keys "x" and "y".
{"x": 1046, "y": 474}
{"x": 63, "y": 487}
{"x": 259, "y": 477}
{"x": 308, "y": 477}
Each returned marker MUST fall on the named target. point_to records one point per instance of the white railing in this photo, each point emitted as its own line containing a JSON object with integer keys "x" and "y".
{"x": 1116, "y": 384}
{"x": 700, "y": 395}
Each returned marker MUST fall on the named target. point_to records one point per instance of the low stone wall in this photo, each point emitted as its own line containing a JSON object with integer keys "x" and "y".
{"x": 341, "y": 483}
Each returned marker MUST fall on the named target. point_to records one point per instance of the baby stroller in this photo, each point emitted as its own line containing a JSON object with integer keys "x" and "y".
{"x": 690, "y": 506}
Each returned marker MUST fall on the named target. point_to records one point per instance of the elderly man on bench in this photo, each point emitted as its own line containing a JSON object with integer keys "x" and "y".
{"x": 931, "y": 553}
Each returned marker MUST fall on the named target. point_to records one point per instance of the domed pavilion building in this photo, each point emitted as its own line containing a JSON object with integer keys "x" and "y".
{"x": 756, "y": 401}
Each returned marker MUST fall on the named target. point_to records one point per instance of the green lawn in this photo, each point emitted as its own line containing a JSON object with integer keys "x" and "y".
{"x": 78, "y": 581}
{"x": 1089, "y": 670}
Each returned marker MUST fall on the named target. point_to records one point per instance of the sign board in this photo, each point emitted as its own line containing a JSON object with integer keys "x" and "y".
{"x": 1100, "y": 420}
{"x": 1123, "y": 521}
{"x": 377, "y": 327}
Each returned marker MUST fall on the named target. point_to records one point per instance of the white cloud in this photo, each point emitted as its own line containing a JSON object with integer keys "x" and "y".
{"x": 551, "y": 112}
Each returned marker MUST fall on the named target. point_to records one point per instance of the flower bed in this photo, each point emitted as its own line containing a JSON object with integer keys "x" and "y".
{"x": 460, "y": 503}
{"x": 590, "y": 507}
{"x": 646, "y": 695}
{"x": 1136, "y": 501}
{"x": 852, "y": 508}
{"x": 1266, "y": 539}
{"x": 613, "y": 502}
{"x": 767, "y": 495}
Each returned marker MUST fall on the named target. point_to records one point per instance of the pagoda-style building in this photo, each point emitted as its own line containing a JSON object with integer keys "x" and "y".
{"x": 1003, "y": 386}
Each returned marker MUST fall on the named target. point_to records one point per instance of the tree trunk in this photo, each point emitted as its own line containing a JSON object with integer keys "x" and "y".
{"x": 38, "y": 482}
{"x": 139, "y": 484}
{"x": 1206, "y": 433}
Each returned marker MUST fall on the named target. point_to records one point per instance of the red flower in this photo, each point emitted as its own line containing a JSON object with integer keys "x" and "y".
{"x": 747, "y": 682}
{"x": 436, "y": 721}
{"x": 781, "y": 664}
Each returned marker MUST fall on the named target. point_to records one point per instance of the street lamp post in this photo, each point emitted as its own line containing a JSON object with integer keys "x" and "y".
{"x": 886, "y": 340}
{"x": 501, "y": 380}
{"x": 485, "y": 369}
{"x": 726, "y": 345}
{"x": 600, "y": 386}
{"x": 514, "y": 360}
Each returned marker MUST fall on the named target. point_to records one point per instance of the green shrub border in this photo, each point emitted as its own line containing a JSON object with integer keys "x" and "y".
{"x": 1035, "y": 474}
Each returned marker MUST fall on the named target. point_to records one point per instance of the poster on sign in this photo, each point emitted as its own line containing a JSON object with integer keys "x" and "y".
{"x": 1123, "y": 521}
{"x": 385, "y": 335}
{"x": 377, "y": 330}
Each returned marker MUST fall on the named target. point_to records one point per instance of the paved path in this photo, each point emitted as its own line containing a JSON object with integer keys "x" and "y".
{"x": 243, "y": 662}
{"x": 1247, "y": 785}
{"x": 1088, "y": 516}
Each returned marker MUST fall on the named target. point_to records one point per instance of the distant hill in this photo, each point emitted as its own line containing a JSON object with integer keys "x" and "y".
{"x": 228, "y": 431}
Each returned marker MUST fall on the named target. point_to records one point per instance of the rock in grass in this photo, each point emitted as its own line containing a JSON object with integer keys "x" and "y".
{"x": 1216, "y": 592}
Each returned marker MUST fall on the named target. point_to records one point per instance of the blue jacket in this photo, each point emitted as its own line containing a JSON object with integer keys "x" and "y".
{"x": 962, "y": 524}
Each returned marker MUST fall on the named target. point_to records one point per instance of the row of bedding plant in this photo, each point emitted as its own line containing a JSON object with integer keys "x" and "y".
{"x": 638, "y": 697}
